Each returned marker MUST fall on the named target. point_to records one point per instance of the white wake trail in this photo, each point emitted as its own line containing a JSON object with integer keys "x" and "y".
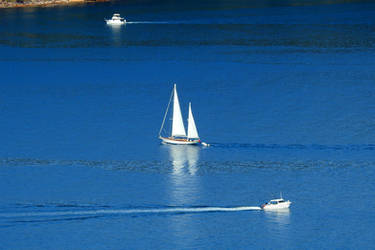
{"x": 130, "y": 211}
{"x": 147, "y": 22}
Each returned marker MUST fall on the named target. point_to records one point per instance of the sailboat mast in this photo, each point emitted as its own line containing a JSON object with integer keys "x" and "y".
{"x": 166, "y": 112}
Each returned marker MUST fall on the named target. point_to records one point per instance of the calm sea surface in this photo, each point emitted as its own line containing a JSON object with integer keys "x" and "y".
{"x": 284, "y": 91}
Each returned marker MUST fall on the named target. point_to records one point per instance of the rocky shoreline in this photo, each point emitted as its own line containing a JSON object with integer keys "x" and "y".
{"x": 43, "y": 3}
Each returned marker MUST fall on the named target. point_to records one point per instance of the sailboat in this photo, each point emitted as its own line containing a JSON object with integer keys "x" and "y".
{"x": 178, "y": 134}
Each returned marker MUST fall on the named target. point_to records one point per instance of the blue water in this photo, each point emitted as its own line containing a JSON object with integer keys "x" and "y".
{"x": 283, "y": 91}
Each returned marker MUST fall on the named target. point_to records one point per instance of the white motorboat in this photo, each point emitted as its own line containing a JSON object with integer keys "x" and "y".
{"x": 178, "y": 135}
{"x": 276, "y": 204}
{"x": 115, "y": 20}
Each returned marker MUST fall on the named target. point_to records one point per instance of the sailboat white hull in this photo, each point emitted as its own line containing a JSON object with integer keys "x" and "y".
{"x": 179, "y": 141}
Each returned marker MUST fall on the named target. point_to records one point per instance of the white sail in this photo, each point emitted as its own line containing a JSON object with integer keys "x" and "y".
{"x": 178, "y": 128}
{"x": 192, "y": 129}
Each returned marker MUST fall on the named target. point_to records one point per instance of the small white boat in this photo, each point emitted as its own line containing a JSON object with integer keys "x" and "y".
{"x": 276, "y": 204}
{"x": 115, "y": 20}
{"x": 178, "y": 135}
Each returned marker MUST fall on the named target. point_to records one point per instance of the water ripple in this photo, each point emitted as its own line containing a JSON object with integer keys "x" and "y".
{"x": 203, "y": 167}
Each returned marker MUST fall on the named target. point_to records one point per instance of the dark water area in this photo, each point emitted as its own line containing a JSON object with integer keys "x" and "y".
{"x": 284, "y": 91}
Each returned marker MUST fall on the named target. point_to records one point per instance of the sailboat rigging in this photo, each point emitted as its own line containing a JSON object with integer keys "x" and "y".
{"x": 178, "y": 134}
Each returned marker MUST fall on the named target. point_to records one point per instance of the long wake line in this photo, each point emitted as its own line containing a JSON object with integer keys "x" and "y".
{"x": 149, "y": 22}
{"x": 130, "y": 211}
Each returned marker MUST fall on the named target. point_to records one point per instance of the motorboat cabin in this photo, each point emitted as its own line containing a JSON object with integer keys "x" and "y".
{"x": 116, "y": 20}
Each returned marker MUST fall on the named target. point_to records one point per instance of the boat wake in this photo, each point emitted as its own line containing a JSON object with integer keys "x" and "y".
{"x": 168, "y": 22}
{"x": 147, "y": 22}
{"x": 348, "y": 147}
{"x": 102, "y": 212}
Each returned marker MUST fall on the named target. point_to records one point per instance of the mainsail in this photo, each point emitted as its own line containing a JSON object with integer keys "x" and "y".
{"x": 192, "y": 129}
{"x": 178, "y": 128}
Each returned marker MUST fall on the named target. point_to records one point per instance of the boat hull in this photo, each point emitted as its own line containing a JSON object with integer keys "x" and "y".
{"x": 179, "y": 141}
{"x": 116, "y": 22}
{"x": 276, "y": 206}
